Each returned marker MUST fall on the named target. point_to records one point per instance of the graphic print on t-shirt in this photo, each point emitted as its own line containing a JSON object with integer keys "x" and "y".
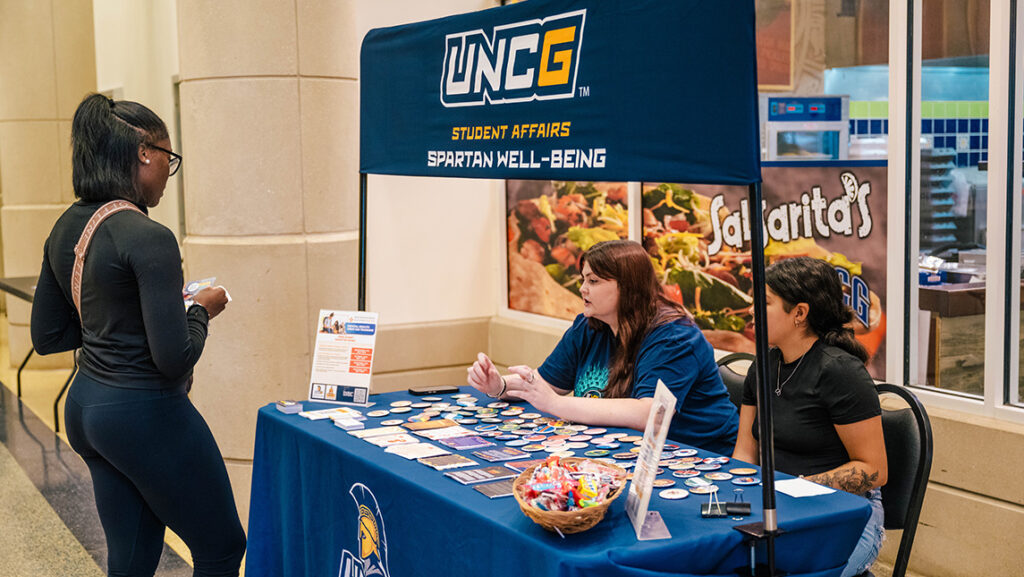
{"x": 592, "y": 382}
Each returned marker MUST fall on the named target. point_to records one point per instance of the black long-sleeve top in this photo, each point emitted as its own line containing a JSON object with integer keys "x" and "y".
{"x": 134, "y": 331}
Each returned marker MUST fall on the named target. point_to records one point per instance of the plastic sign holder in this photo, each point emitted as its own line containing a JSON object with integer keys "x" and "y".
{"x": 343, "y": 358}
{"x": 649, "y": 524}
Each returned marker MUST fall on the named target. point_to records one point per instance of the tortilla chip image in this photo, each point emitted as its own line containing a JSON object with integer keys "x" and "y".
{"x": 531, "y": 289}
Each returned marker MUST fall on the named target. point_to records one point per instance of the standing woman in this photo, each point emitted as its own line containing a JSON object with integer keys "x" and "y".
{"x": 153, "y": 460}
{"x": 606, "y": 367}
{"x": 828, "y": 424}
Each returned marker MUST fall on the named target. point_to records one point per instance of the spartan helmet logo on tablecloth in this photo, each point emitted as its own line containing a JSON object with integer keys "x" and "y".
{"x": 373, "y": 545}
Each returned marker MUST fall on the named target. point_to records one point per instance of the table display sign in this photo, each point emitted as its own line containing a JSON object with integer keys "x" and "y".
{"x": 343, "y": 357}
{"x": 648, "y": 524}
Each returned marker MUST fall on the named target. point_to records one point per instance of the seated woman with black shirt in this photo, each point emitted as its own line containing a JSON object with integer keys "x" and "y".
{"x": 828, "y": 425}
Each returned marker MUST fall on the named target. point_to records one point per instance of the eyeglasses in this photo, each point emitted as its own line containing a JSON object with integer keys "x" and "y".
{"x": 174, "y": 163}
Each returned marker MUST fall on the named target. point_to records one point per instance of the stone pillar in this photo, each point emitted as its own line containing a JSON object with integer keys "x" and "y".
{"x": 47, "y": 65}
{"x": 269, "y": 122}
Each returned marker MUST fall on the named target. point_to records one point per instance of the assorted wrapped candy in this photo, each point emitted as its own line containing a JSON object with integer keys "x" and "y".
{"x": 558, "y": 486}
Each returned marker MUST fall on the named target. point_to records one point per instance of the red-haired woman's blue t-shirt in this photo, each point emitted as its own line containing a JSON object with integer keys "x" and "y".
{"x": 676, "y": 353}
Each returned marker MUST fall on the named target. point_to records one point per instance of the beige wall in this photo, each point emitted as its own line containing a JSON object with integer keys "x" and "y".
{"x": 137, "y": 58}
{"x": 46, "y": 66}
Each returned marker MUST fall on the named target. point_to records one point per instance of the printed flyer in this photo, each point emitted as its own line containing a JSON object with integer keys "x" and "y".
{"x": 343, "y": 358}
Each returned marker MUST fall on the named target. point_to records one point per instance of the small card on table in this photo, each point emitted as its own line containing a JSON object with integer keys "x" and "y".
{"x": 497, "y": 489}
{"x": 416, "y": 450}
{"x": 502, "y": 454}
{"x": 466, "y": 443}
{"x": 452, "y": 461}
{"x": 472, "y": 476}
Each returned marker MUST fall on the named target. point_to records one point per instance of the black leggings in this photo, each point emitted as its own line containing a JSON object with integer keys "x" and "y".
{"x": 154, "y": 464}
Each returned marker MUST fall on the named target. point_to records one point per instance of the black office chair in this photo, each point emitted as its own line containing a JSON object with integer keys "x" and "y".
{"x": 908, "y": 446}
{"x": 733, "y": 380}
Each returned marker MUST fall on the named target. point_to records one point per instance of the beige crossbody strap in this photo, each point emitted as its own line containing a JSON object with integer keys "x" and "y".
{"x": 111, "y": 208}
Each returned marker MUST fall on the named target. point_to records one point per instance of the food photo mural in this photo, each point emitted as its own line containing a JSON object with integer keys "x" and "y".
{"x": 699, "y": 239}
{"x": 550, "y": 223}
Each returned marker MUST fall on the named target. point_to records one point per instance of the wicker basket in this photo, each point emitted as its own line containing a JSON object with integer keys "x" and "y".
{"x": 567, "y": 521}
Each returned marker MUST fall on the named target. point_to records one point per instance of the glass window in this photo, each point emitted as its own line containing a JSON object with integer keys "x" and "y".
{"x": 954, "y": 155}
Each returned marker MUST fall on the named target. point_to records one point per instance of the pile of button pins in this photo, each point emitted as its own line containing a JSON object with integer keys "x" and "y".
{"x": 557, "y": 486}
{"x": 534, "y": 433}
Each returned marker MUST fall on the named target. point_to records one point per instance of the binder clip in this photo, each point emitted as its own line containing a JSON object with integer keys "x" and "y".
{"x": 738, "y": 507}
{"x": 713, "y": 509}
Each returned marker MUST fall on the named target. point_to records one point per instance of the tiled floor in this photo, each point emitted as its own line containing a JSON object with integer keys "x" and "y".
{"x": 48, "y": 520}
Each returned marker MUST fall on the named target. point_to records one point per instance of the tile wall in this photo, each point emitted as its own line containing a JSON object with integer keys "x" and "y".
{"x": 957, "y": 125}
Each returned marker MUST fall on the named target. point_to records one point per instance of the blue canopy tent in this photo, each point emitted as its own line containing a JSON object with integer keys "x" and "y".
{"x": 575, "y": 90}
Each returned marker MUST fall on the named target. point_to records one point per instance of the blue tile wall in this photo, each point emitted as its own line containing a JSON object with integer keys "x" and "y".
{"x": 944, "y": 133}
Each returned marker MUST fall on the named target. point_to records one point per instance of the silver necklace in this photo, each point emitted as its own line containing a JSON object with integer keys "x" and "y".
{"x": 778, "y": 377}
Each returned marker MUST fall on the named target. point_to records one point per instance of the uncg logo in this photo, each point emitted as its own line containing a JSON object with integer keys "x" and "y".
{"x": 372, "y": 543}
{"x": 532, "y": 60}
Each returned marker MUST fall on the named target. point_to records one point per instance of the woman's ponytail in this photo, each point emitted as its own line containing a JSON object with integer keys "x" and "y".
{"x": 842, "y": 337}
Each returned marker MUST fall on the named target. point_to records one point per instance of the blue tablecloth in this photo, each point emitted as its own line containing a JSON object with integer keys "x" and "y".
{"x": 313, "y": 484}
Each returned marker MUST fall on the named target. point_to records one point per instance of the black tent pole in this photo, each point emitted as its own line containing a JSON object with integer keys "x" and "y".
{"x": 362, "y": 241}
{"x": 768, "y": 529}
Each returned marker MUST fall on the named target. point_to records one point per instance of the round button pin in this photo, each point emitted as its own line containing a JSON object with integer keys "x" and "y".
{"x": 380, "y": 413}
{"x": 661, "y": 483}
{"x": 717, "y": 476}
{"x": 703, "y": 490}
{"x": 685, "y": 473}
{"x": 746, "y": 481}
{"x": 674, "y": 494}
{"x": 743, "y": 471}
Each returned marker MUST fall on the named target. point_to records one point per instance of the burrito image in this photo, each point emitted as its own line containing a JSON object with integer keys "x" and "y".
{"x": 550, "y": 224}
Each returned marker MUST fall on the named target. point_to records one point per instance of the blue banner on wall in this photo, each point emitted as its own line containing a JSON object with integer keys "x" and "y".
{"x": 567, "y": 90}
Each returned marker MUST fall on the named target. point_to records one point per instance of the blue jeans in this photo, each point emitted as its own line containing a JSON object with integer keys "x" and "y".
{"x": 870, "y": 543}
